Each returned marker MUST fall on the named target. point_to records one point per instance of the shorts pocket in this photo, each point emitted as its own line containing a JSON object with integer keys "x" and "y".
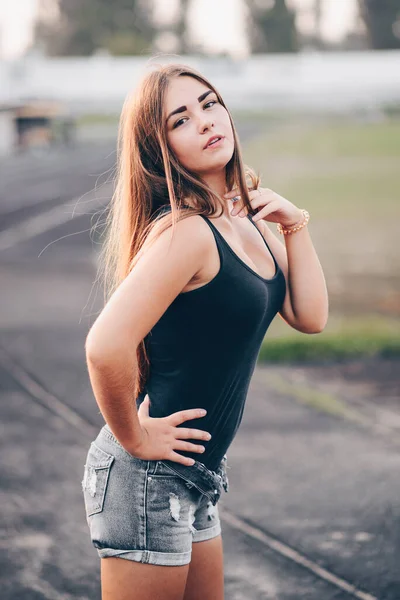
{"x": 95, "y": 479}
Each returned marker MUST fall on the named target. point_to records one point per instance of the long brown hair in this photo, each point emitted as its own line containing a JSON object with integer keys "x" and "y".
{"x": 148, "y": 177}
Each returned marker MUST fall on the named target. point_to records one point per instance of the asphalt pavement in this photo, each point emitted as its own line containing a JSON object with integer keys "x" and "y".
{"x": 313, "y": 507}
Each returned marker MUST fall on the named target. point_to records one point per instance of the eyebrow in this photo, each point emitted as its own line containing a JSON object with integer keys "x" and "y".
{"x": 183, "y": 108}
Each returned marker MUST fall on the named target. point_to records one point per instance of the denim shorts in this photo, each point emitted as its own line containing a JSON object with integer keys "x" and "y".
{"x": 148, "y": 511}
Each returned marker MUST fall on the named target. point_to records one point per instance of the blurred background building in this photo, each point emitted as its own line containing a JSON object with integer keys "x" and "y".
{"x": 237, "y": 27}
{"x": 308, "y": 54}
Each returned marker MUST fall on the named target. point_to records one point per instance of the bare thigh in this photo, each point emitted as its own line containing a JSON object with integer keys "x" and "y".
{"x": 205, "y": 580}
{"x": 123, "y": 579}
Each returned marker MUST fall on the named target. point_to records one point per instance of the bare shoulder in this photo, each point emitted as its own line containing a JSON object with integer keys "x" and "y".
{"x": 160, "y": 274}
{"x": 184, "y": 243}
{"x": 188, "y": 227}
{"x": 189, "y": 240}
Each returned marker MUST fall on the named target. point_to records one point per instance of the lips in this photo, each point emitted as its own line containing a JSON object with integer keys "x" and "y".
{"x": 211, "y": 139}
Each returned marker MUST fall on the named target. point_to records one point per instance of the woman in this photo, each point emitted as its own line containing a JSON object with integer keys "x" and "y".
{"x": 194, "y": 287}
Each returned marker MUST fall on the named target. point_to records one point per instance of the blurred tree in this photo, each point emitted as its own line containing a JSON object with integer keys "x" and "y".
{"x": 271, "y": 26}
{"x": 318, "y": 21}
{"x": 174, "y": 36}
{"x": 80, "y": 27}
{"x": 382, "y": 18}
{"x": 181, "y": 28}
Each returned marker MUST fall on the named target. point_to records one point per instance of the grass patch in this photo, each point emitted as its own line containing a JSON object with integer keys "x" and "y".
{"x": 338, "y": 138}
{"x": 346, "y": 174}
{"x": 321, "y": 401}
{"x": 338, "y": 171}
{"x": 343, "y": 338}
{"x": 357, "y": 195}
{"x": 97, "y": 119}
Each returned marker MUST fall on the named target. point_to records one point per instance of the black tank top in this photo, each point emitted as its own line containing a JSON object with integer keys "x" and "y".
{"x": 204, "y": 348}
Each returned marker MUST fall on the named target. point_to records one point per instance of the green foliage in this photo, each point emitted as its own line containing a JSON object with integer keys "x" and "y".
{"x": 382, "y": 18}
{"x": 271, "y": 28}
{"x": 121, "y": 27}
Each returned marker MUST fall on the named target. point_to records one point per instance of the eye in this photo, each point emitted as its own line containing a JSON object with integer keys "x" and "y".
{"x": 176, "y": 124}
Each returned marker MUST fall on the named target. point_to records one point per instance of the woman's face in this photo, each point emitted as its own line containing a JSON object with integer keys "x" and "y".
{"x": 198, "y": 115}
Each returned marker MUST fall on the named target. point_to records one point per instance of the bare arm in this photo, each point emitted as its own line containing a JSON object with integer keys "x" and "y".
{"x": 305, "y": 307}
{"x": 138, "y": 303}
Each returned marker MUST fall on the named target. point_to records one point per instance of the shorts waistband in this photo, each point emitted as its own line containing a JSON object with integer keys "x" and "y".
{"x": 210, "y": 483}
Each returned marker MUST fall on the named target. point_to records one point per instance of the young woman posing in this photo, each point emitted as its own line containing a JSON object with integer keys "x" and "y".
{"x": 192, "y": 288}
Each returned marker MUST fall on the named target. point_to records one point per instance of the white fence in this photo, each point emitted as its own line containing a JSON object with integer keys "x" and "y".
{"x": 336, "y": 81}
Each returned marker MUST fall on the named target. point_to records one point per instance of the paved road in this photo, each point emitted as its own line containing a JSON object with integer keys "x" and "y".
{"x": 313, "y": 507}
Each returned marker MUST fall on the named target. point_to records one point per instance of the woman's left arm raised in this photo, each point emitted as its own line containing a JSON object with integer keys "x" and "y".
{"x": 306, "y": 305}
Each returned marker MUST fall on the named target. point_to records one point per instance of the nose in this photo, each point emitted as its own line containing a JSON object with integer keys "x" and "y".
{"x": 206, "y": 124}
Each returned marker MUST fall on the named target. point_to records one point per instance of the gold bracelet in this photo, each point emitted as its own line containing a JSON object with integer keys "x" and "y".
{"x": 295, "y": 228}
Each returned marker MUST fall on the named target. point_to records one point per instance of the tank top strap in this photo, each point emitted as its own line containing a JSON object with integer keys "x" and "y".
{"x": 219, "y": 238}
{"x": 265, "y": 242}
{"x": 208, "y": 221}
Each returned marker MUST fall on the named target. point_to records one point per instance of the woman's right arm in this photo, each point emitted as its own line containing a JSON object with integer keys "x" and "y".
{"x": 135, "y": 307}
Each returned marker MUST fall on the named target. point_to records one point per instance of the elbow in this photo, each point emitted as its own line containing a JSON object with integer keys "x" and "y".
{"x": 315, "y": 323}
{"x": 94, "y": 356}
{"x": 102, "y": 353}
{"x": 97, "y": 353}
{"x": 92, "y": 349}
{"x": 315, "y": 330}
{"x": 315, "y": 327}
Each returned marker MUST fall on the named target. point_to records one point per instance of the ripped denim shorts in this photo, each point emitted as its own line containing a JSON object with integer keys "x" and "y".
{"x": 149, "y": 511}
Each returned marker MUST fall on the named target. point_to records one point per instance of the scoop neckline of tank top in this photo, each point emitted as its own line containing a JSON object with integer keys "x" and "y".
{"x": 277, "y": 267}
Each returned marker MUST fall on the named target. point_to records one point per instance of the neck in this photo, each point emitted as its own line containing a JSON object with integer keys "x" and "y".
{"x": 216, "y": 181}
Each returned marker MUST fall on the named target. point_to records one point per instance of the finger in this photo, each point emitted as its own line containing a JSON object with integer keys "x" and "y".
{"x": 256, "y": 201}
{"x": 143, "y": 409}
{"x": 243, "y": 212}
{"x": 240, "y": 211}
{"x": 236, "y": 192}
{"x": 254, "y": 197}
{"x": 267, "y": 210}
{"x": 195, "y": 434}
{"x": 232, "y": 193}
{"x": 237, "y": 207}
{"x": 186, "y": 415}
{"x": 262, "y": 213}
{"x": 180, "y": 459}
{"x": 180, "y": 445}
